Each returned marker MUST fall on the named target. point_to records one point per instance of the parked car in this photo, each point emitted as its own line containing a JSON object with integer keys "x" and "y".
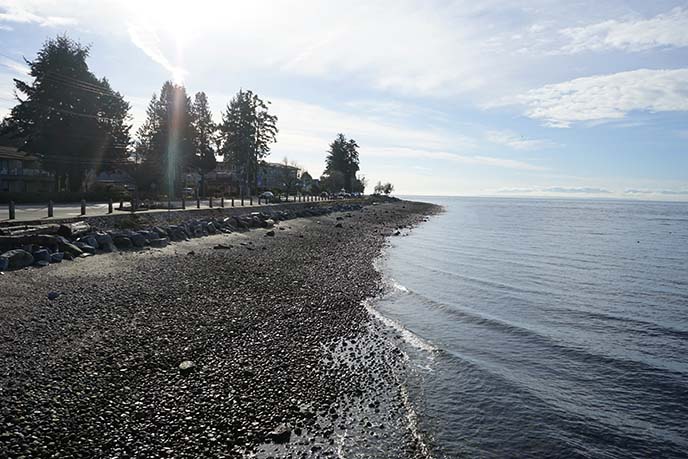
{"x": 267, "y": 196}
{"x": 189, "y": 192}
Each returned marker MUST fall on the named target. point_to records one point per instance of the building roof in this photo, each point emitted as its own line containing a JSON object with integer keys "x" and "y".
{"x": 14, "y": 153}
{"x": 280, "y": 165}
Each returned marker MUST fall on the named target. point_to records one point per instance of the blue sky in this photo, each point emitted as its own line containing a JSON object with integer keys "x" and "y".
{"x": 498, "y": 97}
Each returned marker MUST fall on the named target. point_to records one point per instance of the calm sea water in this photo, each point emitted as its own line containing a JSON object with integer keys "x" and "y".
{"x": 546, "y": 328}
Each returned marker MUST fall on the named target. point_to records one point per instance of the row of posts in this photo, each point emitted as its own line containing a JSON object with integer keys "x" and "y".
{"x": 297, "y": 198}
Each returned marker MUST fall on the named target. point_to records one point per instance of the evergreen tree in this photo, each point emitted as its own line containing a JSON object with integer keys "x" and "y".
{"x": 165, "y": 147}
{"x": 205, "y": 136}
{"x": 342, "y": 161}
{"x": 67, "y": 116}
{"x": 246, "y": 132}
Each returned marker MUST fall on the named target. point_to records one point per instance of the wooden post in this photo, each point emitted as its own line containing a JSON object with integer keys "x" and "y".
{"x": 110, "y": 206}
{"x": 210, "y": 202}
{"x": 242, "y": 200}
{"x": 83, "y": 207}
{"x": 232, "y": 201}
{"x": 198, "y": 201}
{"x": 12, "y": 211}
{"x": 169, "y": 203}
{"x": 250, "y": 200}
{"x": 222, "y": 201}
{"x": 121, "y": 204}
{"x": 50, "y": 208}
{"x": 183, "y": 202}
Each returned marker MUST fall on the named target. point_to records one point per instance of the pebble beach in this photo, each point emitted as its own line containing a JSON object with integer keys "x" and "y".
{"x": 246, "y": 344}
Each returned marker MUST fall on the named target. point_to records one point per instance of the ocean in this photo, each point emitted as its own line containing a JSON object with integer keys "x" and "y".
{"x": 544, "y": 327}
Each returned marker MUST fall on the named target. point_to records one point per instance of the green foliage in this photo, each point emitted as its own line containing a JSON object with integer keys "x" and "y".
{"x": 246, "y": 132}
{"x": 68, "y": 116}
{"x": 205, "y": 137}
{"x": 360, "y": 184}
{"x": 166, "y": 146}
{"x": 386, "y": 188}
{"x": 306, "y": 178}
{"x": 341, "y": 162}
{"x": 333, "y": 181}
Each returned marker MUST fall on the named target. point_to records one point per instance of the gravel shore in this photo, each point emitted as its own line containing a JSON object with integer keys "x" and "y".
{"x": 281, "y": 357}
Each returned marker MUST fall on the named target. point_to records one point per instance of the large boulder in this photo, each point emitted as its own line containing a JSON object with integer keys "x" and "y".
{"x": 148, "y": 235}
{"x": 122, "y": 242}
{"x": 105, "y": 242}
{"x": 179, "y": 233}
{"x": 138, "y": 240}
{"x": 4, "y": 263}
{"x": 18, "y": 258}
{"x": 240, "y": 223}
{"x": 56, "y": 257}
{"x": 281, "y": 434}
{"x": 160, "y": 232}
{"x": 187, "y": 367}
{"x": 91, "y": 240}
{"x": 159, "y": 243}
{"x": 85, "y": 247}
{"x": 41, "y": 255}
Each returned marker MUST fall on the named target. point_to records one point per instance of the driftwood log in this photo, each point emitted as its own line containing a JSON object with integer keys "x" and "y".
{"x": 25, "y": 230}
{"x": 75, "y": 229}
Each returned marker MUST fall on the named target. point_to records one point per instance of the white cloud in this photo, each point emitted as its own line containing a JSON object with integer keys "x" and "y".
{"x": 15, "y": 11}
{"x": 515, "y": 141}
{"x": 413, "y": 153}
{"x": 555, "y": 190}
{"x": 15, "y": 66}
{"x": 306, "y": 131}
{"x": 668, "y": 29}
{"x": 608, "y": 97}
{"x": 645, "y": 191}
{"x": 144, "y": 37}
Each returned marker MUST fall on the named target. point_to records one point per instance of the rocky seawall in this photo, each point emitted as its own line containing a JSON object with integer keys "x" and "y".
{"x": 243, "y": 343}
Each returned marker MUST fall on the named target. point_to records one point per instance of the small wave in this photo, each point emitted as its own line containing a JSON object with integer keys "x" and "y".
{"x": 407, "y": 335}
{"x": 399, "y": 287}
{"x": 412, "y": 424}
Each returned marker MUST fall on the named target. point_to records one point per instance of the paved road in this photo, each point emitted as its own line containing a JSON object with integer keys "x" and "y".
{"x": 34, "y": 212}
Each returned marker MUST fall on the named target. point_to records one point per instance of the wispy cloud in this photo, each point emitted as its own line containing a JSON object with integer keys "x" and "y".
{"x": 667, "y": 29}
{"x": 144, "y": 37}
{"x": 414, "y": 153}
{"x": 307, "y": 129}
{"x": 608, "y": 97}
{"x": 555, "y": 190}
{"x": 518, "y": 142}
{"x": 13, "y": 11}
{"x": 15, "y": 66}
{"x": 645, "y": 191}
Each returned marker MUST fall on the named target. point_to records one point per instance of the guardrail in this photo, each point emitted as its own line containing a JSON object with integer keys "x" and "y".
{"x": 135, "y": 206}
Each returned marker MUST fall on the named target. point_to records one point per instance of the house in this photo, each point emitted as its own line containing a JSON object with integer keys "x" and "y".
{"x": 277, "y": 176}
{"x": 20, "y": 172}
{"x": 114, "y": 180}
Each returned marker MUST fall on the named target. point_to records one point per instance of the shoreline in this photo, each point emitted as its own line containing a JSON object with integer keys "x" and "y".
{"x": 95, "y": 372}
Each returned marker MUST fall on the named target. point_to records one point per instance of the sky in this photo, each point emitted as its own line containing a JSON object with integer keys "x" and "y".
{"x": 492, "y": 98}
